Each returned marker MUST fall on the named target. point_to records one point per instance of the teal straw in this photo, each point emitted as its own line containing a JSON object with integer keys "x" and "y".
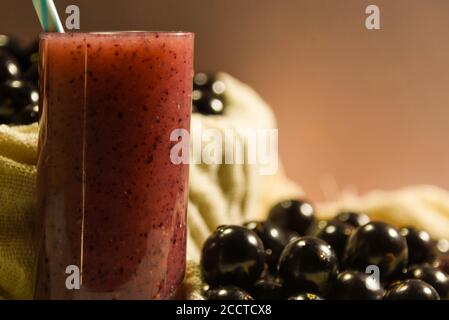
{"x": 48, "y": 15}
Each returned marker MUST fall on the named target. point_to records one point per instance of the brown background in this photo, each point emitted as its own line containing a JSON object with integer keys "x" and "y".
{"x": 368, "y": 108}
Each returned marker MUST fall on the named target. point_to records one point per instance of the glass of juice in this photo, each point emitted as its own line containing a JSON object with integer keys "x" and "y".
{"x": 112, "y": 204}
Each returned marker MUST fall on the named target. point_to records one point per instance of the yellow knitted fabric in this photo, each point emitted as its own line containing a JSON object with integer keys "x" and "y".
{"x": 18, "y": 154}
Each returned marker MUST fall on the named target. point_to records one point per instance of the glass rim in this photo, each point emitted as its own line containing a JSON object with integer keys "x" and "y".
{"x": 129, "y": 33}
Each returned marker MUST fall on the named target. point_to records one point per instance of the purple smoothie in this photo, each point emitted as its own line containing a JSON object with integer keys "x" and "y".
{"x": 110, "y": 199}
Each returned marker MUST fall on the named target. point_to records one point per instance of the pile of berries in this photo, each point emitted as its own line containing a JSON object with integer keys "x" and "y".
{"x": 19, "y": 74}
{"x": 293, "y": 255}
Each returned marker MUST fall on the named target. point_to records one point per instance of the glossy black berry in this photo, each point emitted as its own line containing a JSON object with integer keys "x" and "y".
{"x": 307, "y": 264}
{"x": 355, "y": 285}
{"x": 208, "y": 94}
{"x": 305, "y": 296}
{"x": 9, "y": 67}
{"x": 18, "y": 94}
{"x": 356, "y": 219}
{"x": 27, "y": 115}
{"x": 232, "y": 255}
{"x": 420, "y": 245}
{"x": 411, "y": 289}
{"x": 294, "y": 215}
{"x": 379, "y": 244}
{"x": 274, "y": 240}
{"x": 228, "y": 293}
{"x": 433, "y": 276}
{"x": 267, "y": 290}
{"x": 336, "y": 234}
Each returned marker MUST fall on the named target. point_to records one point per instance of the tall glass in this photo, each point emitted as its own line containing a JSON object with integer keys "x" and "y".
{"x": 112, "y": 204}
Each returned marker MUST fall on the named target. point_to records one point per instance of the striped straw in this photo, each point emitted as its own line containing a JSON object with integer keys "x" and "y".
{"x": 48, "y": 16}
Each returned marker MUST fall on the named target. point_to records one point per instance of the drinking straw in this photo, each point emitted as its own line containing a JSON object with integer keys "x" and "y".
{"x": 48, "y": 16}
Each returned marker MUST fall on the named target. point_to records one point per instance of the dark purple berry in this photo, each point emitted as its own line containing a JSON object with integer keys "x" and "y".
{"x": 379, "y": 244}
{"x": 274, "y": 240}
{"x": 420, "y": 246}
{"x": 9, "y": 67}
{"x": 411, "y": 289}
{"x": 336, "y": 234}
{"x": 307, "y": 264}
{"x": 294, "y": 215}
{"x": 232, "y": 255}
